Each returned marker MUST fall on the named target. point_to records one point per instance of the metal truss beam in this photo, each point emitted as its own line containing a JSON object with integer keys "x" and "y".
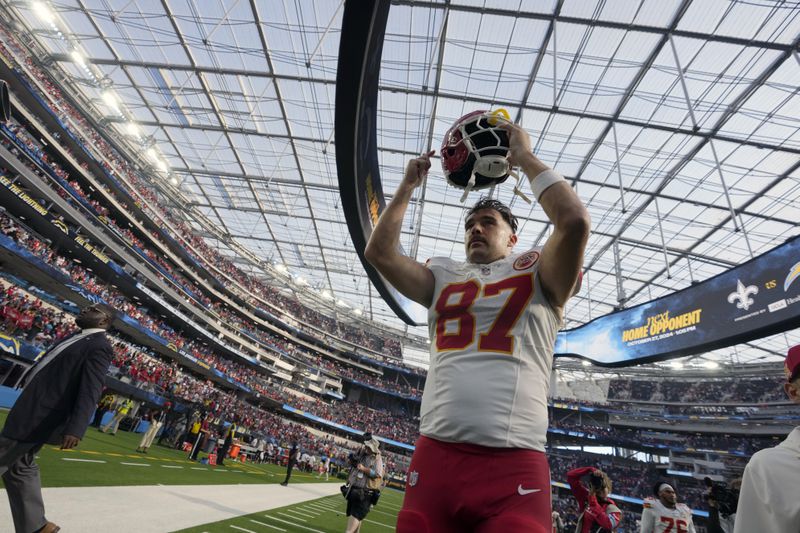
{"x": 653, "y": 246}
{"x": 596, "y": 23}
{"x": 675, "y": 129}
{"x": 595, "y": 183}
{"x": 729, "y": 112}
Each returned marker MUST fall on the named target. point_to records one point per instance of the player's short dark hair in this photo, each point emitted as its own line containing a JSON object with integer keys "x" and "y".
{"x": 497, "y": 205}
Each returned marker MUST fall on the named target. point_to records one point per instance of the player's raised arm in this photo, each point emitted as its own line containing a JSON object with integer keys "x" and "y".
{"x": 562, "y": 256}
{"x": 411, "y": 278}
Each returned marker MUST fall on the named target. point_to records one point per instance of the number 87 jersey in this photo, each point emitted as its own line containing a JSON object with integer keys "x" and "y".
{"x": 492, "y": 335}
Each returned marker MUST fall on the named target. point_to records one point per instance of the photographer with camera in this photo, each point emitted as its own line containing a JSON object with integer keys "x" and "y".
{"x": 722, "y": 505}
{"x": 599, "y": 513}
{"x": 768, "y": 498}
{"x": 364, "y": 482}
{"x": 664, "y": 514}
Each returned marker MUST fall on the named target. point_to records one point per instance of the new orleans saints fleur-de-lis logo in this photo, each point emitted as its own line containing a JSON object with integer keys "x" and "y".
{"x": 742, "y": 294}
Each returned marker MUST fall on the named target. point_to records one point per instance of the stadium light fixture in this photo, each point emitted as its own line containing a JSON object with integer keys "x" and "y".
{"x": 587, "y": 363}
{"x": 43, "y": 12}
{"x": 281, "y": 268}
{"x": 133, "y": 128}
{"x": 162, "y": 166}
{"x": 78, "y": 58}
{"x": 152, "y": 154}
{"x": 326, "y": 294}
{"x": 111, "y": 101}
{"x": 341, "y": 303}
{"x": 711, "y": 365}
{"x": 358, "y": 312}
{"x": 677, "y": 365}
{"x": 174, "y": 181}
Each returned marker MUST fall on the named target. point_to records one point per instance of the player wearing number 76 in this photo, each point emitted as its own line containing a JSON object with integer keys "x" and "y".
{"x": 479, "y": 464}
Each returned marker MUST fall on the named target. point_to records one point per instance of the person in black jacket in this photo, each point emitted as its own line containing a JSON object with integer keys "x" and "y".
{"x": 59, "y": 394}
{"x": 294, "y": 455}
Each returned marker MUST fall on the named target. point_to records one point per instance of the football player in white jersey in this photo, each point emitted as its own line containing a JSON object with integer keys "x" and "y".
{"x": 663, "y": 514}
{"x": 479, "y": 464}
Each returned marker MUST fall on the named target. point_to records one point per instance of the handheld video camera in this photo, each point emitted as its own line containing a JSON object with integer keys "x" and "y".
{"x": 727, "y": 498}
{"x": 596, "y": 481}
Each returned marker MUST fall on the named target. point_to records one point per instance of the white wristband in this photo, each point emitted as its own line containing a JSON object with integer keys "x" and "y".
{"x": 542, "y": 181}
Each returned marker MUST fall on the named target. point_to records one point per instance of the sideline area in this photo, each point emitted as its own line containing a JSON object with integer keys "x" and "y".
{"x": 104, "y": 485}
{"x": 325, "y": 515}
{"x": 161, "y": 508}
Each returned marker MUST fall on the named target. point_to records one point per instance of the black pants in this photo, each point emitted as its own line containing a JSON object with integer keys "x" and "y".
{"x": 198, "y": 441}
{"x": 98, "y": 417}
{"x": 289, "y": 468}
{"x": 358, "y": 503}
{"x": 223, "y": 453}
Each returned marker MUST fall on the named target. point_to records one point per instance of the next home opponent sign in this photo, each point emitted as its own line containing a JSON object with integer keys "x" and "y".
{"x": 756, "y": 299}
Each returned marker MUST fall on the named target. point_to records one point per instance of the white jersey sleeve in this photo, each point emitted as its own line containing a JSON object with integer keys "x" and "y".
{"x": 648, "y": 517}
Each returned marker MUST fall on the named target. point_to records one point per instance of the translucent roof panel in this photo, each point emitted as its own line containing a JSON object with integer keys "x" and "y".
{"x": 666, "y": 115}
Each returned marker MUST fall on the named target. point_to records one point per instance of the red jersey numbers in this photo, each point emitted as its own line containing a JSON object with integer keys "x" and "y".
{"x": 455, "y": 303}
{"x": 680, "y": 526}
{"x": 456, "y": 312}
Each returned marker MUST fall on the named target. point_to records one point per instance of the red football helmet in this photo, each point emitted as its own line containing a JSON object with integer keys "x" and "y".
{"x": 475, "y": 151}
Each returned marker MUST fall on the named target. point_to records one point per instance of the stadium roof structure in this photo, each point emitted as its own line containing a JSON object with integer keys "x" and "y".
{"x": 677, "y": 121}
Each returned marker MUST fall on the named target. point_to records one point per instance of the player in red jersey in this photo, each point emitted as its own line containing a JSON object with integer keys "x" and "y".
{"x": 479, "y": 464}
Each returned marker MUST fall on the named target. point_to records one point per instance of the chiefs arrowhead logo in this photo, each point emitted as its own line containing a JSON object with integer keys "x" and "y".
{"x": 526, "y": 260}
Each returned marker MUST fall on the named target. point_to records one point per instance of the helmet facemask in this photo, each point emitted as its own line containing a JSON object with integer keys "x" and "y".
{"x": 475, "y": 152}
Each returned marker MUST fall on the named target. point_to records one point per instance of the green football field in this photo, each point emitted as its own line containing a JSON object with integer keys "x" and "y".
{"x": 105, "y": 460}
{"x": 322, "y": 515}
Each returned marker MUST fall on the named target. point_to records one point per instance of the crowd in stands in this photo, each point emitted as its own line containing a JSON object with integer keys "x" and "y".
{"x": 141, "y": 192}
{"x": 228, "y": 317}
{"x": 752, "y": 391}
{"x": 380, "y": 382}
{"x": 88, "y": 281}
{"x": 355, "y": 415}
{"x": 635, "y": 438}
{"x": 28, "y": 318}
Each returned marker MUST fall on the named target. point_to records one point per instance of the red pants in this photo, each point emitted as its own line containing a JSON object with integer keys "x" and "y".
{"x": 462, "y": 488}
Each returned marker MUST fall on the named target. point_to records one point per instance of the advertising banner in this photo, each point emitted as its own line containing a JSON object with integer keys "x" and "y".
{"x": 758, "y": 298}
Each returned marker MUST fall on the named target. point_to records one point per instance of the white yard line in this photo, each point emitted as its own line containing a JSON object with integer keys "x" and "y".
{"x": 377, "y": 523}
{"x": 169, "y": 507}
{"x": 302, "y": 513}
{"x": 242, "y": 529}
{"x": 135, "y": 464}
{"x": 290, "y": 516}
{"x": 82, "y": 460}
{"x": 293, "y": 524}
{"x": 267, "y": 525}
